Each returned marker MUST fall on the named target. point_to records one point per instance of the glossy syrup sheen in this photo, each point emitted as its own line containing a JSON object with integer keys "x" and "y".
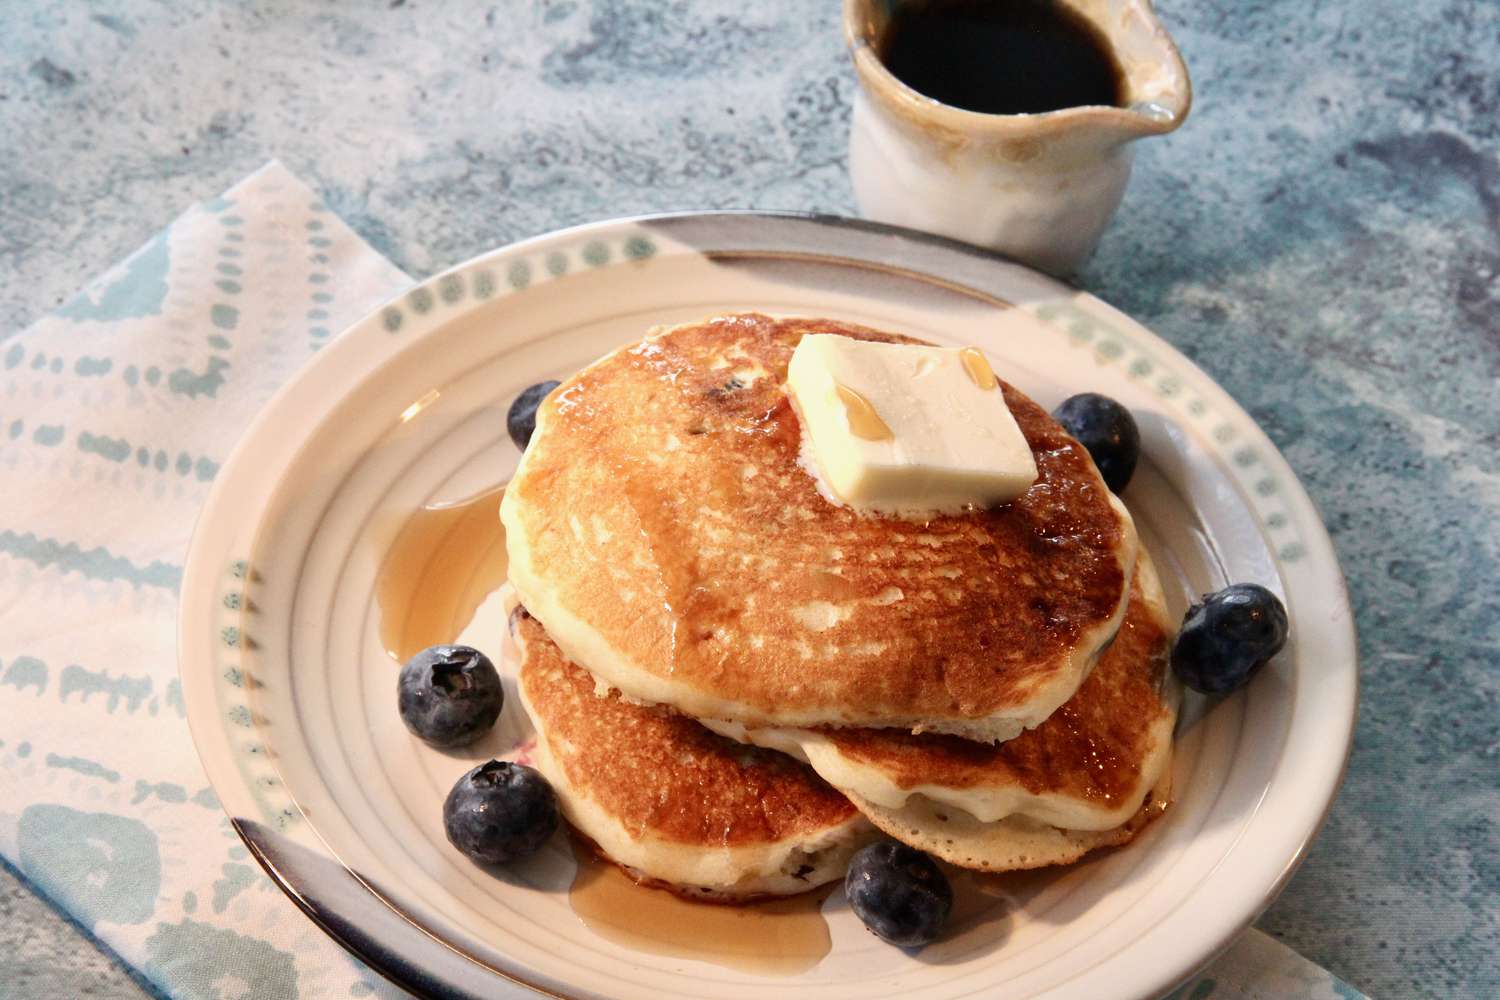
{"x": 446, "y": 559}
{"x": 977, "y": 367}
{"x": 780, "y": 937}
{"x": 864, "y": 422}
{"x": 1001, "y": 57}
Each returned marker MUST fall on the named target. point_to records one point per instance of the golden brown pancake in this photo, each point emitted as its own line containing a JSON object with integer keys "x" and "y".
{"x": 1010, "y": 844}
{"x": 1087, "y": 768}
{"x": 661, "y": 528}
{"x": 672, "y": 802}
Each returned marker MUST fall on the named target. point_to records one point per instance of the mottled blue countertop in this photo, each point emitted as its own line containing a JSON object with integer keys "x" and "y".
{"x": 1323, "y": 236}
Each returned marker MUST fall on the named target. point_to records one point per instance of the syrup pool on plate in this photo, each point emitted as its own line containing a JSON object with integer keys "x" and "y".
{"x": 446, "y": 559}
{"x": 779, "y": 937}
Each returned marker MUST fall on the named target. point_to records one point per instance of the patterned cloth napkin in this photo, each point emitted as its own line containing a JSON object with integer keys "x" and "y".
{"x": 115, "y": 412}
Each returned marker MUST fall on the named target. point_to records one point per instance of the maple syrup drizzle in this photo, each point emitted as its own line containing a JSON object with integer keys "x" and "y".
{"x": 780, "y": 937}
{"x": 445, "y": 561}
{"x": 978, "y": 368}
{"x": 864, "y": 422}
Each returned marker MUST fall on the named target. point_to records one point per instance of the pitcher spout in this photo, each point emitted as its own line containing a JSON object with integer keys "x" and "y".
{"x": 1157, "y": 91}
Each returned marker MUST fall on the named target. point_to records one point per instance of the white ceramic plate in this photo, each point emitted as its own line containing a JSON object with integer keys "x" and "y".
{"x": 292, "y": 699}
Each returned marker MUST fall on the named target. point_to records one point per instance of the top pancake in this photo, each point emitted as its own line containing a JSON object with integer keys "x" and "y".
{"x": 662, "y": 530}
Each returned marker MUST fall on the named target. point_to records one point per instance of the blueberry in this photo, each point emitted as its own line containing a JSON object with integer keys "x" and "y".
{"x": 449, "y": 695}
{"x": 1228, "y": 636}
{"x": 521, "y": 420}
{"x": 1107, "y": 430}
{"x": 499, "y": 812}
{"x": 899, "y": 892}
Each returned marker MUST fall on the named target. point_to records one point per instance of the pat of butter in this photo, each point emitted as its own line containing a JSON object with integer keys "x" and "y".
{"x": 906, "y": 429}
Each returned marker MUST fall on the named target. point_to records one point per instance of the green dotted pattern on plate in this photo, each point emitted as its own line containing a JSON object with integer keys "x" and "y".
{"x": 233, "y": 642}
{"x": 1112, "y": 346}
{"x": 512, "y": 273}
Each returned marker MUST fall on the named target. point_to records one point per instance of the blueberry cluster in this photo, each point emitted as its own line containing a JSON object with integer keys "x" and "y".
{"x": 450, "y": 696}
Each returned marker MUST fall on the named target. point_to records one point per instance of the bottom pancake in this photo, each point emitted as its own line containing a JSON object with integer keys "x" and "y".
{"x": 672, "y": 803}
{"x": 1010, "y": 844}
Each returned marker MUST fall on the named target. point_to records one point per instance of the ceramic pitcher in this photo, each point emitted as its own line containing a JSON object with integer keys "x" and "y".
{"x": 1037, "y": 187}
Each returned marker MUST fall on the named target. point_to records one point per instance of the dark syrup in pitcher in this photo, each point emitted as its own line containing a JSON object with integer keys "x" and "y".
{"x": 1001, "y": 57}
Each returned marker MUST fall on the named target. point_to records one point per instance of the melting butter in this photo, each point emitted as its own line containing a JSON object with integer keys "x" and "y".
{"x": 906, "y": 429}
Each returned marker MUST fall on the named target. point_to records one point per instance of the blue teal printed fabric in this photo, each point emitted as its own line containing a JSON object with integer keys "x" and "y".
{"x": 115, "y": 414}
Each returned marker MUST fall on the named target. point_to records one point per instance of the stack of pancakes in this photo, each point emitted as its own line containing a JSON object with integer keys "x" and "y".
{"x": 735, "y": 682}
